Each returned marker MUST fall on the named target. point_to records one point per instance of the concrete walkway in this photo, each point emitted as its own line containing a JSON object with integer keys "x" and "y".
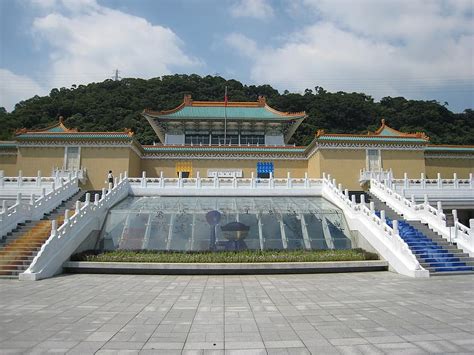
{"x": 357, "y": 313}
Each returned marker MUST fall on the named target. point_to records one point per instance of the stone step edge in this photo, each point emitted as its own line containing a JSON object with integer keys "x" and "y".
{"x": 224, "y": 268}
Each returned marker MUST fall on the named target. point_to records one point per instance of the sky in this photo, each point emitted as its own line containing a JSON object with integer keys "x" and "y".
{"x": 419, "y": 49}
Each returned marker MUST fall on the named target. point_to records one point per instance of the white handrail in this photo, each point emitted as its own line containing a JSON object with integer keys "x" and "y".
{"x": 35, "y": 209}
{"x": 385, "y": 239}
{"x": 63, "y": 241}
{"x": 424, "y": 212}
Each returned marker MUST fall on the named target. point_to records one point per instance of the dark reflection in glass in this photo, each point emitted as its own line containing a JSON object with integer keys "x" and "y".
{"x": 179, "y": 223}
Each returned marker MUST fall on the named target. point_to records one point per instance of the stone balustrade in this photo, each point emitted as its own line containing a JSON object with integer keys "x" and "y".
{"x": 385, "y": 239}
{"x": 77, "y": 226}
{"x": 35, "y": 206}
{"x": 424, "y": 212}
{"x": 225, "y": 186}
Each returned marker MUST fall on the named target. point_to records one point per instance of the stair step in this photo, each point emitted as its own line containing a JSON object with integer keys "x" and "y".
{"x": 450, "y": 268}
{"x": 450, "y": 273}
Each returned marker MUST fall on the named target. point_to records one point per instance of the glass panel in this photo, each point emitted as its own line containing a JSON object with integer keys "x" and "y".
{"x": 180, "y": 223}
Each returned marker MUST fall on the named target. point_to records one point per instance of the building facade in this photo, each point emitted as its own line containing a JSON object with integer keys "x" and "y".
{"x": 228, "y": 139}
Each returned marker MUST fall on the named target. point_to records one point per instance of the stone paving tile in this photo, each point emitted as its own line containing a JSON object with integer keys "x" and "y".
{"x": 363, "y": 313}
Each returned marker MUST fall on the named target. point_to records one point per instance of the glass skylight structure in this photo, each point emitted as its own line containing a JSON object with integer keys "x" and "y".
{"x": 224, "y": 223}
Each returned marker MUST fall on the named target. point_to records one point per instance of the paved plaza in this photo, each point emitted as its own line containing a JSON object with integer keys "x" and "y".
{"x": 358, "y": 313}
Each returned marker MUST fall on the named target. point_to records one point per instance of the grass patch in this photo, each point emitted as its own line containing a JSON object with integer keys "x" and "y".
{"x": 245, "y": 256}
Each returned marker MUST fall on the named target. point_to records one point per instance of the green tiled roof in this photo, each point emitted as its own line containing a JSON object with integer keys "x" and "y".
{"x": 450, "y": 149}
{"x": 56, "y": 129}
{"x": 218, "y": 112}
{"x": 370, "y": 139}
{"x": 8, "y": 145}
{"x": 388, "y": 132}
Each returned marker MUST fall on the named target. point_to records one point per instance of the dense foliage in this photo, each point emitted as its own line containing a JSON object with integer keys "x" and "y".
{"x": 243, "y": 256}
{"x": 115, "y": 105}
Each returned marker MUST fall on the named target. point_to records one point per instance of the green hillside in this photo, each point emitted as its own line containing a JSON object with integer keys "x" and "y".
{"x": 115, "y": 105}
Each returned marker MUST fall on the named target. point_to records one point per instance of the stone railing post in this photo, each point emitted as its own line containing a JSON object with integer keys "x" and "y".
{"x": 456, "y": 181}
{"x": 120, "y": 177}
{"x": 20, "y": 178}
{"x": 116, "y": 181}
{"x": 455, "y": 216}
{"x": 372, "y": 207}
{"x": 471, "y": 230}
{"x": 96, "y": 199}
{"x": 439, "y": 206}
{"x": 125, "y": 175}
{"x": 111, "y": 186}
{"x": 32, "y": 199}
{"x": 412, "y": 199}
{"x": 471, "y": 181}
{"x": 198, "y": 180}
{"x": 143, "y": 182}
{"x": 362, "y": 200}
{"x": 425, "y": 200}
{"x": 180, "y": 179}
{"x": 234, "y": 182}
{"x": 104, "y": 192}
{"x": 78, "y": 207}
{"x": 66, "y": 216}
{"x": 306, "y": 182}
{"x": 382, "y": 217}
{"x": 18, "y": 198}
{"x": 353, "y": 199}
{"x": 405, "y": 180}
{"x": 54, "y": 228}
{"x": 395, "y": 226}
{"x": 252, "y": 181}
{"x": 4, "y": 206}
{"x": 270, "y": 181}
{"x": 439, "y": 181}
{"x": 346, "y": 193}
{"x": 288, "y": 180}
{"x": 2, "y": 181}
{"x": 162, "y": 181}
{"x": 423, "y": 181}
{"x": 38, "y": 178}
{"x": 88, "y": 199}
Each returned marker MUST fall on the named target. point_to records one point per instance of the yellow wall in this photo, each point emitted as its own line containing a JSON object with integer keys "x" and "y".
{"x": 404, "y": 161}
{"x": 448, "y": 166}
{"x": 344, "y": 165}
{"x": 8, "y": 163}
{"x": 153, "y": 167}
{"x": 314, "y": 166}
{"x": 98, "y": 162}
{"x": 134, "y": 166}
{"x": 32, "y": 159}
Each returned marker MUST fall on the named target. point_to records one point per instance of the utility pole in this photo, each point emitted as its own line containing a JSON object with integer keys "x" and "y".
{"x": 116, "y": 75}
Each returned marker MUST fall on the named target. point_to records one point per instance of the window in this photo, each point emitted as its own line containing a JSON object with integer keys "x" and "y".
{"x": 374, "y": 162}
{"x": 72, "y": 158}
{"x": 252, "y": 139}
{"x": 229, "y": 139}
{"x": 196, "y": 139}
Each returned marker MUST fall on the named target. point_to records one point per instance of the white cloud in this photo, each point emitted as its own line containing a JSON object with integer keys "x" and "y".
{"x": 14, "y": 88}
{"x": 244, "y": 45}
{"x": 259, "y": 9}
{"x": 89, "y": 41}
{"x": 380, "y": 47}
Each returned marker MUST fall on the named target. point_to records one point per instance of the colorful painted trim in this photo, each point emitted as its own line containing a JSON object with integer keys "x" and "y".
{"x": 253, "y": 149}
{"x": 88, "y": 135}
{"x": 363, "y": 138}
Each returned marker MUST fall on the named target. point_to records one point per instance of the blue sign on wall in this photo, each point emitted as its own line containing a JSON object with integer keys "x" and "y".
{"x": 264, "y": 167}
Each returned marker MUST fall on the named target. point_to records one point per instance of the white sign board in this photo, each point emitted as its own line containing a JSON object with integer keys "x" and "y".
{"x": 227, "y": 173}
